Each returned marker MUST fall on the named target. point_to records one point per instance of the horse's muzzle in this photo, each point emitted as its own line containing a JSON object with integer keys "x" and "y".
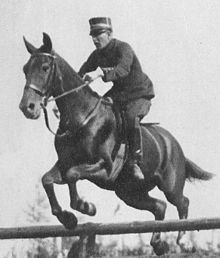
{"x": 30, "y": 111}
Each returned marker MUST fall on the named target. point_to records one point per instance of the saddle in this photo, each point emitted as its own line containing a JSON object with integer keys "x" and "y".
{"x": 120, "y": 153}
{"x": 122, "y": 127}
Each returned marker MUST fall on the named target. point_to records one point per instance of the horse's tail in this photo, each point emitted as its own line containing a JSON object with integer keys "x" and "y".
{"x": 195, "y": 172}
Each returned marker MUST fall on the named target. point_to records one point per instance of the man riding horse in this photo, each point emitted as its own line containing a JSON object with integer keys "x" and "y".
{"x": 132, "y": 90}
{"x": 88, "y": 131}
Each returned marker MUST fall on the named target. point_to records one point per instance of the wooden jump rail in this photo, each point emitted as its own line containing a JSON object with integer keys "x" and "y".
{"x": 110, "y": 229}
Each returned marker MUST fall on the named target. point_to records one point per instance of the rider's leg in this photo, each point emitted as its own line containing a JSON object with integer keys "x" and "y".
{"x": 135, "y": 151}
{"x": 135, "y": 111}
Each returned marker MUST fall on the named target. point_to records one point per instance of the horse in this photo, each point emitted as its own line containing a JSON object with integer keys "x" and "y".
{"x": 89, "y": 144}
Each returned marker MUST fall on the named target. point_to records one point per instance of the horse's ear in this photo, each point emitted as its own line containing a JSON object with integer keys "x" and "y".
{"x": 47, "y": 42}
{"x": 30, "y": 48}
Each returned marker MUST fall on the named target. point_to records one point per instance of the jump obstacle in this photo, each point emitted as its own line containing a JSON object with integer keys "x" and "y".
{"x": 88, "y": 231}
{"x": 110, "y": 229}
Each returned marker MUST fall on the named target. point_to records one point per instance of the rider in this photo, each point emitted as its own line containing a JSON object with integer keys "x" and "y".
{"x": 132, "y": 90}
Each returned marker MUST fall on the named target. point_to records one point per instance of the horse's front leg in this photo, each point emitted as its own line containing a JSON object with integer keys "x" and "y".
{"x": 53, "y": 176}
{"x": 79, "y": 204}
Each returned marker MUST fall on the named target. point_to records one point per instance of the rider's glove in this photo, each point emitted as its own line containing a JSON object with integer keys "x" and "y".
{"x": 91, "y": 76}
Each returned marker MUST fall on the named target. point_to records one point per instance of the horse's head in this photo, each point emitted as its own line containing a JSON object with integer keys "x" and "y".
{"x": 39, "y": 72}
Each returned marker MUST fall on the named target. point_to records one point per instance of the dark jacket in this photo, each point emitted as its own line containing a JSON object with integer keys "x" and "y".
{"x": 129, "y": 81}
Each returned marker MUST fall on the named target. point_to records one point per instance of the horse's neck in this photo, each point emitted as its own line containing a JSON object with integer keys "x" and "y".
{"x": 77, "y": 105}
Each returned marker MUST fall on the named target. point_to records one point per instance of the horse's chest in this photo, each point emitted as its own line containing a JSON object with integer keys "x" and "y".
{"x": 71, "y": 151}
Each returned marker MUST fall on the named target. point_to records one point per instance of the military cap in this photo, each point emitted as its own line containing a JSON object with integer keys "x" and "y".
{"x": 99, "y": 25}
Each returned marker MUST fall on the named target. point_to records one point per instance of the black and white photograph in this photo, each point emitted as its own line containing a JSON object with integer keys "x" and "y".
{"x": 110, "y": 128}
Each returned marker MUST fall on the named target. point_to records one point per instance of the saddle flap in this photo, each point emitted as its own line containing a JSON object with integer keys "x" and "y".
{"x": 121, "y": 130}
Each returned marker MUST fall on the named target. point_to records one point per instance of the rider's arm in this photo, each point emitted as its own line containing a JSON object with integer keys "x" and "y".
{"x": 123, "y": 67}
{"x": 89, "y": 65}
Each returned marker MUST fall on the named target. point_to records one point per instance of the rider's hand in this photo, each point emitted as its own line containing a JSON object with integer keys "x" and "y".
{"x": 91, "y": 76}
{"x": 107, "y": 69}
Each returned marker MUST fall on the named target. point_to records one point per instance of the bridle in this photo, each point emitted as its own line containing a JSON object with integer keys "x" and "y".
{"x": 40, "y": 92}
{"x": 46, "y": 95}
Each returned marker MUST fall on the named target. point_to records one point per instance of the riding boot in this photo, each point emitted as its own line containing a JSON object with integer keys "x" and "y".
{"x": 138, "y": 148}
{"x": 136, "y": 152}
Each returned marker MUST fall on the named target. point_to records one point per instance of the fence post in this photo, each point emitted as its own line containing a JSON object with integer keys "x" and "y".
{"x": 84, "y": 248}
{"x": 90, "y": 246}
{"x": 82, "y": 253}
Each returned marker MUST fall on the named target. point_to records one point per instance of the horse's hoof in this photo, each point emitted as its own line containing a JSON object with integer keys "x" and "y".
{"x": 161, "y": 248}
{"x": 186, "y": 245}
{"x": 90, "y": 209}
{"x": 68, "y": 219}
{"x": 87, "y": 208}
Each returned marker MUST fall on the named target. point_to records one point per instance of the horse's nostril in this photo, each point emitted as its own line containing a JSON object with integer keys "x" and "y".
{"x": 31, "y": 106}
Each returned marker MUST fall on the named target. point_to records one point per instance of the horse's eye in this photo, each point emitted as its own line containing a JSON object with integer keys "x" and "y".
{"x": 45, "y": 67}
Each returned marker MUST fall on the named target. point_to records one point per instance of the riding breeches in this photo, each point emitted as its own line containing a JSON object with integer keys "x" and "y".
{"x": 134, "y": 111}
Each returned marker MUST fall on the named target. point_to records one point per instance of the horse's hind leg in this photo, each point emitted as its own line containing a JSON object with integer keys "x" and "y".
{"x": 141, "y": 200}
{"x": 48, "y": 180}
{"x": 182, "y": 203}
{"x": 79, "y": 204}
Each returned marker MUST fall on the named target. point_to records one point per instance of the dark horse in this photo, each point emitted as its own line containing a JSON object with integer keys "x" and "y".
{"x": 88, "y": 145}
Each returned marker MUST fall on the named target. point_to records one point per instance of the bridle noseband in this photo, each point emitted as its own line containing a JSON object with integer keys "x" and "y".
{"x": 46, "y": 95}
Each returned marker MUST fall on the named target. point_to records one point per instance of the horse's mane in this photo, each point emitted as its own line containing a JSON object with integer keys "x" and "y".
{"x": 67, "y": 69}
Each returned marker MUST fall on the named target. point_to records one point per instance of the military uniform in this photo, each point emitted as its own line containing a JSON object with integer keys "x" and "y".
{"x": 132, "y": 89}
{"x": 121, "y": 66}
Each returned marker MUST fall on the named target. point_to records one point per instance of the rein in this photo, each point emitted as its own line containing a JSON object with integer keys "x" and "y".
{"x": 67, "y": 132}
{"x": 46, "y": 99}
{"x": 70, "y": 91}
{"x": 89, "y": 116}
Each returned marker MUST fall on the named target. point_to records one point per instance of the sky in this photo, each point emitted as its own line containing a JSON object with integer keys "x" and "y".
{"x": 177, "y": 43}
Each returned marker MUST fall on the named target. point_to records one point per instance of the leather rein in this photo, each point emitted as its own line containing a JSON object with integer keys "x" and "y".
{"x": 46, "y": 96}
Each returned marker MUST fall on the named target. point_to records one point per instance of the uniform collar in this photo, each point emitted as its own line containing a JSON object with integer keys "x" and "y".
{"x": 108, "y": 47}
